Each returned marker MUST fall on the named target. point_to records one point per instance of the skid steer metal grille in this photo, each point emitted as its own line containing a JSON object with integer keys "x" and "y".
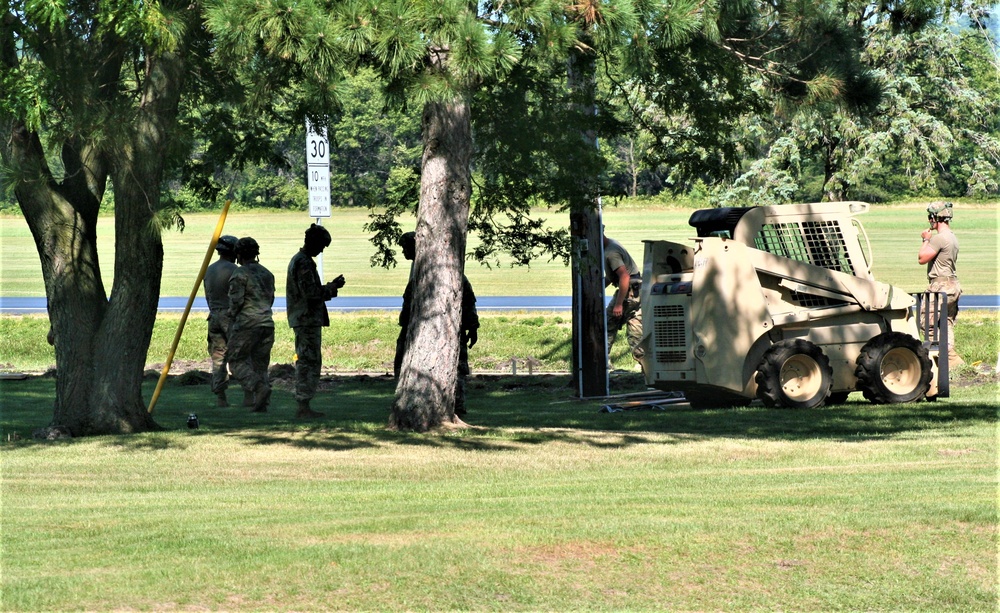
{"x": 670, "y": 333}
{"x": 820, "y": 243}
{"x": 668, "y": 310}
{"x": 809, "y": 301}
{"x": 671, "y": 357}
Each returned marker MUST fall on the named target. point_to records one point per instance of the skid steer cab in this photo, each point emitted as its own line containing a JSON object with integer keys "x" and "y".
{"x": 779, "y": 303}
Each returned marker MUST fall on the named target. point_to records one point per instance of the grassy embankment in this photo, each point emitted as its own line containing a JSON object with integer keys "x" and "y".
{"x": 365, "y": 341}
{"x": 894, "y": 231}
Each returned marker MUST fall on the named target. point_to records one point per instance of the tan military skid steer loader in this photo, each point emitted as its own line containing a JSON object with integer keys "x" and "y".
{"x": 779, "y": 303}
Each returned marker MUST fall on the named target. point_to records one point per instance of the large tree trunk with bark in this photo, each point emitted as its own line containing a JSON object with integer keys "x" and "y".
{"x": 590, "y": 352}
{"x": 101, "y": 342}
{"x": 425, "y": 394}
{"x": 63, "y": 222}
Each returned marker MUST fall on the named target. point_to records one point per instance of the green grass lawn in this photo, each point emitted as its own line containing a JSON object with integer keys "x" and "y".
{"x": 894, "y": 232}
{"x": 366, "y": 342}
{"x": 545, "y": 503}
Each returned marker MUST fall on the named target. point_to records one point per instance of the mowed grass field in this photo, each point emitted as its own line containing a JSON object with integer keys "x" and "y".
{"x": 530, "y": 341}
{"x": 894, "y": 232}
{"x": 544, "y": 503}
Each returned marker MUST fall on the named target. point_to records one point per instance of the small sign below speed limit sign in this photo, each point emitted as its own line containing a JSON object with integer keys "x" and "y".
{"x": 318, "y": 170}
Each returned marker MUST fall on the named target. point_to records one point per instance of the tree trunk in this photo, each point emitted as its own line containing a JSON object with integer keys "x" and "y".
{"x": 101, "y": 343}
{"x": 833, "y": 186}
{"x": 63, "y": 223}
{"x": 633, "y": 165}
{"x": 425, "y": 394}
{"x": 590, "y": 352}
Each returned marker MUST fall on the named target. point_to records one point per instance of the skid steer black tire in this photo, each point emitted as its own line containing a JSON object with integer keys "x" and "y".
{"x": 893, "y": 367}
{"x": 794, "y": 374}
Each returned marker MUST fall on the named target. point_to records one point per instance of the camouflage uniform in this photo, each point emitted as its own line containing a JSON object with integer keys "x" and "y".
{"x": 942, "y": 275}
{"x": 615, "y": 256}
{"x": 404, "y": 325}
{"x": 470, "y": 325}
{"x": 306, "y": 297}
{"x": 251, "y": 295}
{"x": 217, "y": 295}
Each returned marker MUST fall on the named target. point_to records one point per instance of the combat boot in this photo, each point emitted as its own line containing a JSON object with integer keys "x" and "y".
{"x": 262, "y": 396}
{"x": 221, "y": 400}
{"x": 248, "y": 398}
{"x": 304, "y": 412}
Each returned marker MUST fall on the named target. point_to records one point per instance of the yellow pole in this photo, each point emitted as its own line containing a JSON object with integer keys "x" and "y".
{"x": 187, "y": 309}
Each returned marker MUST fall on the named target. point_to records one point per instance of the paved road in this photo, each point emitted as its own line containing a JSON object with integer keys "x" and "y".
{"x": 14, "y": 306}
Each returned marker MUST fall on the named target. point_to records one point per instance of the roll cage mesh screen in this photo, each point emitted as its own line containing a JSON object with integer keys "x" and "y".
{"x": 820, "y": 243}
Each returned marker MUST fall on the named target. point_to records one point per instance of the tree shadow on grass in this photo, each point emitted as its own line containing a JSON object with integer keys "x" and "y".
{"x": 505, "y": 413}
{"x": 512, "y": 412}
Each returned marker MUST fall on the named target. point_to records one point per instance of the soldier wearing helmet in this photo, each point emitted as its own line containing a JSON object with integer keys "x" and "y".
{"x": 251, "y": 335}
{"x": 306, "y": 296}
{"x": 939, "y": 251}
{"x": 216, "y": 286}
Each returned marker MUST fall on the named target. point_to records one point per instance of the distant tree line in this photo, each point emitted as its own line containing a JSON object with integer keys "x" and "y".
{"x": 935, "y": 132}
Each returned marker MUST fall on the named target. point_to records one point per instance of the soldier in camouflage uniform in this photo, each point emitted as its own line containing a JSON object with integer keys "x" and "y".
{"x": 306, "y": 297}
{"x": 624, "y": 309}
{"x": 468, "y": 334}
{"x": 216, "y": 287}
{"x": 940, "y": 253}
{"x": 251, "y": 335}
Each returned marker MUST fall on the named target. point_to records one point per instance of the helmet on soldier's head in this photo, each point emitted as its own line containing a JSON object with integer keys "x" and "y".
{"x": 247, "y": 248}
{"x": 226, "y": 244}
{"x": 939, "y": 209}
{"x": 318, "y": 234}
{"x": 408, "y": 244}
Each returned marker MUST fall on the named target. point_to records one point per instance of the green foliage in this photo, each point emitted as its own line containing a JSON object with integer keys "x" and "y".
{"x": 693, "y": 87}
{"x": 529, "y": 151}
{"x": 933, "y": 133}
{"x": 402, "y": 195}
{"x": 689, "y": 76}
{"x": 418, "y": 53}
{"x": 372, "y": 146}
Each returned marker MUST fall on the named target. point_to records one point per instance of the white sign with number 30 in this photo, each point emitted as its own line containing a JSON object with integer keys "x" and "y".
{"x": 318, "y": 171}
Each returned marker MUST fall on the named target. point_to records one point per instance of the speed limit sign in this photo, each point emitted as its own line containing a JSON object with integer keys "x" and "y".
{"x": 318, "y": 170}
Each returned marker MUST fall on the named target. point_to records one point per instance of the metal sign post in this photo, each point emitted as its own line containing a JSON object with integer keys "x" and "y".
{"x": 318, "y": 177}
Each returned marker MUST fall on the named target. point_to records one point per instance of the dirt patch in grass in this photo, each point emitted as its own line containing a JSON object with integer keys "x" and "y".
{"x": 577, "y": 554}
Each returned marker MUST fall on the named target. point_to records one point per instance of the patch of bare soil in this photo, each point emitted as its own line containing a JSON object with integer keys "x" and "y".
{"x": 198, "y": 372}
{"x": 976, "y": 374}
